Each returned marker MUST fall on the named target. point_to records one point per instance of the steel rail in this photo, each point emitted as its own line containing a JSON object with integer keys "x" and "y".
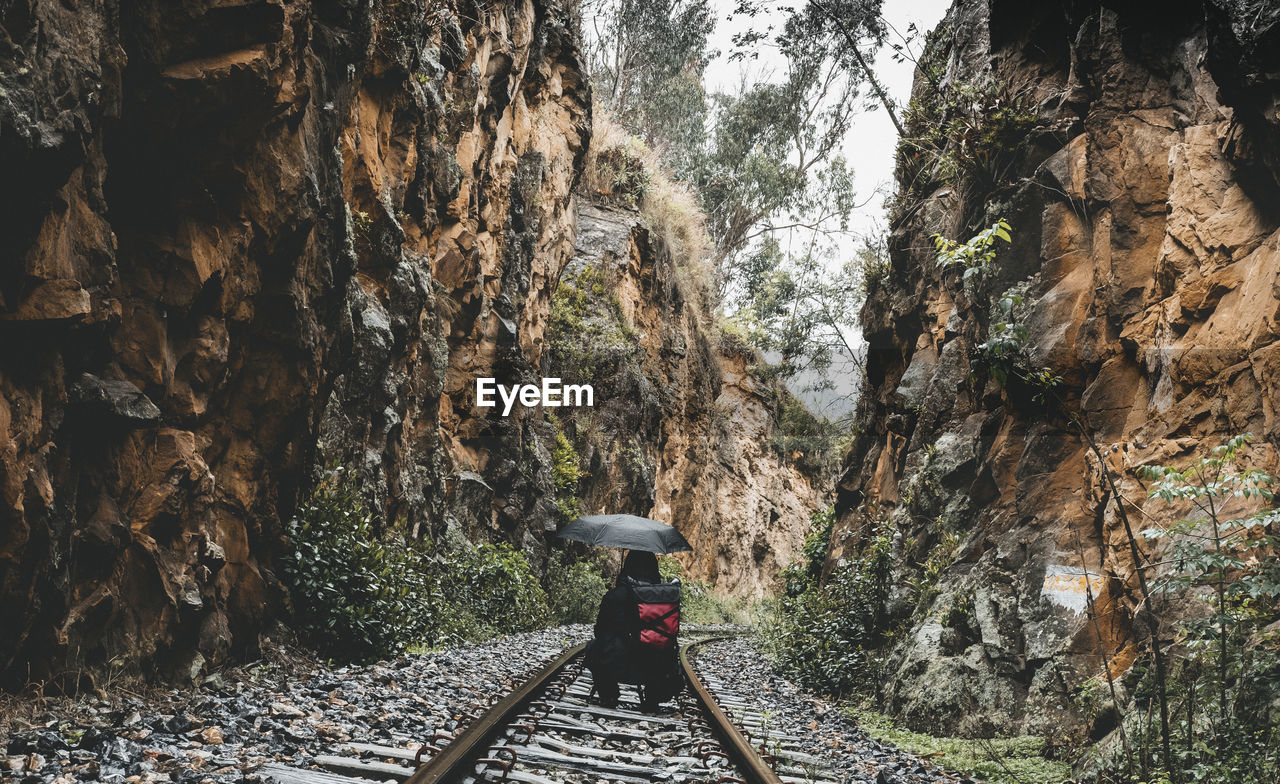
{"x": 461, "y": 753}
{"x": 755, "y": 769}
{"x": 456, "y": 760}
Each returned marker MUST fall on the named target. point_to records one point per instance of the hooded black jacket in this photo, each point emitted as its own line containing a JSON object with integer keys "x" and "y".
{"x": 617, "y": 626}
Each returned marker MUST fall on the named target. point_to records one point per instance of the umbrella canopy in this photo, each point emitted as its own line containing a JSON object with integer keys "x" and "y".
{"x": 624, "y": 530}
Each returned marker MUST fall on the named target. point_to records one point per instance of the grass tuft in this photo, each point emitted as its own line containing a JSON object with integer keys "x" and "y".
{"x": 999, "y": 760}
{"x": 622, "y": 170}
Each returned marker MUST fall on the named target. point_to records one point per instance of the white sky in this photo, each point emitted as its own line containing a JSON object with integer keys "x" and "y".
{"x": 869, "y": 148}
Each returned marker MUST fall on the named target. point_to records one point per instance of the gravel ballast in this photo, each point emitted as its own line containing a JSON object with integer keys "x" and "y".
{"x": 823, "y": 731}
{"x": 225, "y": 730}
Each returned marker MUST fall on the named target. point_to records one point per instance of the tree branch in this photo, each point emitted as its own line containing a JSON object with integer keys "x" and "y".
{"x": 852, "y": 40}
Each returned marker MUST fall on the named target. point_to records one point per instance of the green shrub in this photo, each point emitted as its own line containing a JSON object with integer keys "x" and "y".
{"x": 358, "y": 592}
{"x": 565, "y": 473}
{"x": 489, "y": 590}
{"x": 976, "y": 254}
{"x": 1225, "y": 681}
{"x": 824, "y": 635}
{"x": 805, "y": 573}
{"x": 619, "y": 175}
{"x": 924, "y": 587}
{"x": 1005, "y": 351}
{"x": 574, "y": 589}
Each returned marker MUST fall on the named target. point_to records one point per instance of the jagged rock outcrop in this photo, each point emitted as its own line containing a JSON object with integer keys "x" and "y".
{"x": 682, "y": 428}
{"x": 243, "y": 240}
{"x": 1146, "y": 256}
{"x": 731, "y": 491}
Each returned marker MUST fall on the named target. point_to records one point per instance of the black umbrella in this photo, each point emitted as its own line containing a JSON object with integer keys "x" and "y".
{"x": 624, "y": 530}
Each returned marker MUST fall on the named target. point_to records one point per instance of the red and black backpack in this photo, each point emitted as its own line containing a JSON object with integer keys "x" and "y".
{"x": 658, "y": 606}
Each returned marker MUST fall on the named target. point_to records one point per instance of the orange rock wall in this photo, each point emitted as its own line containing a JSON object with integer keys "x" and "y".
{"x": 243, "y": 240}
{"x": 681, "y": 430}
{"x": 1146, "y": 251}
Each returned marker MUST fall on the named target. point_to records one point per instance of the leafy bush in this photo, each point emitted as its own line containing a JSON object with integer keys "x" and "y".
{"x": 804, "y": 574}
{"x": 1005, "y": 350}
{"x": 574, "y": 589}
{"x": 824, "y": 635}
{"x": 620, "y": 176}
{"x": 490, "y": 590}
{"x": 362, "y": 591}
{"x": 358, "y": 592}
{"x": 1226, "y": 680}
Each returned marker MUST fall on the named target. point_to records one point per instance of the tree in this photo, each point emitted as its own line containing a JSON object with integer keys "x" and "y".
{"x": 646, "y": 59}
{"x": 1225, "y": 552}
{"x": 773, "y": 164}
{"x": 773, "y": 161}
{"x": 800, "y": 306}
{"x": 859, "y": 24}
{"x": 764, "y": 159}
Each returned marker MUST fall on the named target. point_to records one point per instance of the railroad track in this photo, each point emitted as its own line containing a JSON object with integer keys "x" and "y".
{"x": 548, "y": 731}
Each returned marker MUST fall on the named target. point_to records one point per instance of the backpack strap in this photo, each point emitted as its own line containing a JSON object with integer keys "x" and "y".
{"x": 655, "y": 624}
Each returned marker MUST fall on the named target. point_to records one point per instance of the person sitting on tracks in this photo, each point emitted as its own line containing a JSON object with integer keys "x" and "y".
{"x": 636, "y": 633}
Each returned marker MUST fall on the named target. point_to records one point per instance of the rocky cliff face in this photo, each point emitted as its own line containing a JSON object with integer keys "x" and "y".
{"x": 1145, "y": 268}
{"x": 244, "y": 240}
{"x": 681, "y": 430}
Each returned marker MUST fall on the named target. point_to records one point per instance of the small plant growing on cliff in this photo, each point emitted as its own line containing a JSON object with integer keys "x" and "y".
{"x": 966, "y": 135}
{"x": 975, "y": 254}
{"x": 924, "y": 588}
{"x": 1005, "y": 349}
{"x": 1005, "y": 340}
{"x": 618, "y": 174}
{"x": 565, "y": 473}
{"x": 588, "y": 336}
